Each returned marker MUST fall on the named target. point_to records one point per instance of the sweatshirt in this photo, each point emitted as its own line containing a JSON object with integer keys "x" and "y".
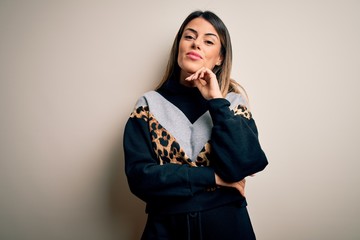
{"x": 175, "y": 141}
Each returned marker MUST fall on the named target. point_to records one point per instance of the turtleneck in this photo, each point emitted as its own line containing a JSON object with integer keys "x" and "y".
{"x": 188, "y": 99}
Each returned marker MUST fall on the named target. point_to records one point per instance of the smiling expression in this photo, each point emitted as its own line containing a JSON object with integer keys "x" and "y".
{"x": 199, "y": 47}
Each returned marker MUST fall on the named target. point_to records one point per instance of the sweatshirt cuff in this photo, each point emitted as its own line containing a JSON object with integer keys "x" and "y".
{"x": 219, "y": 110}
{"x": 202, "y": 178}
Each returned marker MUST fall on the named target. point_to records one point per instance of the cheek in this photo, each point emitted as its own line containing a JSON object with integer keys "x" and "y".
{"x": 179, "y": 58}
{"x": 212, "y": 57}
{"x": 181, "y": 49}
{"x": 181, "y": 53}
{"x": 209, "y": 62}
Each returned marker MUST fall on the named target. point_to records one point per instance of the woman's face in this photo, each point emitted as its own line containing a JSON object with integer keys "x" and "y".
{"x": 199, "y": 47}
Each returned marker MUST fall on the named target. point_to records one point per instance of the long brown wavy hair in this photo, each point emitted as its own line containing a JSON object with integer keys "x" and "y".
{"x": 222, "y": 71}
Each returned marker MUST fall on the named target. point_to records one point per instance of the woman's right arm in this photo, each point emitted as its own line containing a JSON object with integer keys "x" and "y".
{"x": 147, "y": 179}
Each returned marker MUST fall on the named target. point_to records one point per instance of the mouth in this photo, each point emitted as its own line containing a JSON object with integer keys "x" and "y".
{"x": 193, "y": 55}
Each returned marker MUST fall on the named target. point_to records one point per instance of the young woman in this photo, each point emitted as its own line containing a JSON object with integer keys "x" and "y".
{"x": 190, "y": 144}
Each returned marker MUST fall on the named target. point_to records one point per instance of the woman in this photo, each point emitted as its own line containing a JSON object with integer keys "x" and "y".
{"x": 190, "y": 144}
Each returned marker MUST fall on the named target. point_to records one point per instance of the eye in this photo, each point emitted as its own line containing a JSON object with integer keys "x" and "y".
{"x": 189, "y": 37}
{"x": 208, "y": 42}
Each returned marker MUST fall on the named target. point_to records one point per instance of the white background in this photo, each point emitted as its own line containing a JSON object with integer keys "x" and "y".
{"x": 71, "y": 71}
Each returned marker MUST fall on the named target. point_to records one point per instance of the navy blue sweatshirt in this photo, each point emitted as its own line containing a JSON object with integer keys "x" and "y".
{"x": 175, "y": 141}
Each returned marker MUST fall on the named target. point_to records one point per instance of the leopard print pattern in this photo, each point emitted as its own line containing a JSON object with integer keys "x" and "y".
{"x": 166, "y": 148}
{"x": 141, "y": 113}
{"x": 242, "y": 111}
{"x": 204, "y": 156}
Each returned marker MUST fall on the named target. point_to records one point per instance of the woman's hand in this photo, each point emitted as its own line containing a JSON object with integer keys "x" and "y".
{"x": 205, "y": 80}
{"x": 240, "y": 185}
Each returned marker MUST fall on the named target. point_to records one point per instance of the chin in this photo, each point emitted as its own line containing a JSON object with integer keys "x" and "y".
{"x": 190, "y": 68}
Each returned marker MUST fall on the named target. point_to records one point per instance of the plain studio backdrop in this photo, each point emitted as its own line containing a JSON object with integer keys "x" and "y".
{"x": 71, "y": 72}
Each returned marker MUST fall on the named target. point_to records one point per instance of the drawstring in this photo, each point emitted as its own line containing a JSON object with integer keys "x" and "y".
{"x": 190, "y": 229}
{"x": 199, "y": 226}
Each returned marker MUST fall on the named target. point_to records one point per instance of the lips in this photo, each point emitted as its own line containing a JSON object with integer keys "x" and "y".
{"x": 194, "y": 55}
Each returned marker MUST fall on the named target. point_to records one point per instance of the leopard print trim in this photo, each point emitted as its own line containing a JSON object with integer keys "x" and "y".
{"x": 242, "y": 111}
{"x": 141, "y": 112}
{"x": 204, "y": 156}
{"x": 165, "y": 146}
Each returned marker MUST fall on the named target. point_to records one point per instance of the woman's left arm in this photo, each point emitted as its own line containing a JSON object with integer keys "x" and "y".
{"x": 235, "y": 146}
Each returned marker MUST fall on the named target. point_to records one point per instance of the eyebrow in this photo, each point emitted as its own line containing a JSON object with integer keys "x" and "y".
{"x": 207, "y": 34}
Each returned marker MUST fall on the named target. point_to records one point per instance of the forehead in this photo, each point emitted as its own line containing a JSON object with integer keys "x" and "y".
{"x": 202, "y": 26}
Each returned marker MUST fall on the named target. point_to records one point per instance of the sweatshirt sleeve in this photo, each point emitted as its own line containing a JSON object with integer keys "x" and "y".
{"x": 147, "y": 179}
{"x": 234, "y": 140}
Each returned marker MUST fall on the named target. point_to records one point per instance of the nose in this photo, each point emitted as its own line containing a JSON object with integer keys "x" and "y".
{"x": 196, "y": 44}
